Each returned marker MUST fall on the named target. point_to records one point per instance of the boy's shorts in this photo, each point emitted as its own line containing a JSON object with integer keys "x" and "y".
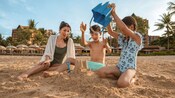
{"x": 94, "y": 65}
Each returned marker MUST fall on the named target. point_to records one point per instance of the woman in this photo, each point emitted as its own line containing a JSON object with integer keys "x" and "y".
{"x": 59, "y": 50}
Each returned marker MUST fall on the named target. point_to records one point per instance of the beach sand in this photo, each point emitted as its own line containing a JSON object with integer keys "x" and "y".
{"x": 156, "y": 78}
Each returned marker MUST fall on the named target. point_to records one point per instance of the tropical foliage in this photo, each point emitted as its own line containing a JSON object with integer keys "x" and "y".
{"x": 168, "y": 25}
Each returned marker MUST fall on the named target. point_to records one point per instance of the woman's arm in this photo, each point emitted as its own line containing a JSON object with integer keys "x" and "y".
{"x": 47, "y": 52}
{"x": 70, "y": 49}
{"x": 111, "y": 32}
{"x": 124, "y": 29}
{"x": 47, "y": 58}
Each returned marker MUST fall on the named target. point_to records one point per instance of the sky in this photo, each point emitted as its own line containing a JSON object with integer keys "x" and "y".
{"x": 49, "y": 13}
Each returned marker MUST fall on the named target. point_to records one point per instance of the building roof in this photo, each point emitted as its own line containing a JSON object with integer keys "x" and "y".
{"x": 22, "y": 27}
{"x": 78, "y": 46}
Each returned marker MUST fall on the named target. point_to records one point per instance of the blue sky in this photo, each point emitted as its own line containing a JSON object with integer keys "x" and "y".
{"x": 49, "y": 13}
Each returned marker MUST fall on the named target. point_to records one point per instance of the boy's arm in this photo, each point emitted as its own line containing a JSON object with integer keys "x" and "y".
{"x": 124, "y": 29}
{"x": 108, "y": 48}
{"x": 106, "y": 45}
{"x": 83, "y": 40}
{"x": 111, "y": 32}
{"x": 83, "y": 29}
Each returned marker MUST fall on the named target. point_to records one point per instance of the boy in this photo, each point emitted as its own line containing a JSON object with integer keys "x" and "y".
{"x": 97, "y": 48}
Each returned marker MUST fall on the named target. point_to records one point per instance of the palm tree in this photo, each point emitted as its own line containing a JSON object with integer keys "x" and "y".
{"x": 166, "y": 23}
{"x": 32, "y": 24}
{"x": 38, "y": 38}
{"x": 24, "y": 36}
{"x": 171, "y": 7}
{"x": 77, "y": 39}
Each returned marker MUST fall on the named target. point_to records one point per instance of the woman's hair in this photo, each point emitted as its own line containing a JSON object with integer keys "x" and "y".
{"x": 64, "y": 24}
{"x": 129, "y": 20}
{"x": 94, "y": 28}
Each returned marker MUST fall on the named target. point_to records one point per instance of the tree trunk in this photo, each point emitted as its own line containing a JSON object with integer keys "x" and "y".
{"x": 168, "y": 42}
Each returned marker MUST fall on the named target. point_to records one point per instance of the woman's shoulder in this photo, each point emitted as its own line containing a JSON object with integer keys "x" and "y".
{"x": 52, "y": 36}
{"x": 70, "y": 39}
{"x": 139, "y": 34}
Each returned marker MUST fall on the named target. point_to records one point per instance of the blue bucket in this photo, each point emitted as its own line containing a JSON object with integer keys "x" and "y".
{"x": 101, "y": 14}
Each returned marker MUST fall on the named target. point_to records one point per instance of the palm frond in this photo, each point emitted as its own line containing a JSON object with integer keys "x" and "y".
{"x": 172, "y": 13}
{"x": 171, "y": 8}
{"x": 171, "y": 5}
{"x": 160, "y": 26}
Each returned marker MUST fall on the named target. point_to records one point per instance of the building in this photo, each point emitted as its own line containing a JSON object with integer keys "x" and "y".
{"x": 146, "y": 39}
{"x": 19, "y": 28}
{"x": 32, "y": 31}
{"x": 78, "y": 49}
{"x": 152, "y": 38}
{"x": 15, "y": 31}
{"x": 151, "y": 49}
{"x": 49, "y": 32}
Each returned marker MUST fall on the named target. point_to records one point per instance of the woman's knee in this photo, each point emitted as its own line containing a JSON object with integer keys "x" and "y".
{"x": 123, "y": 82}
{"x": 101, "y": 73}
{"x": 45, "y": 66}
{"x": 71, "y": 60}
{"x": 125, "y": 78}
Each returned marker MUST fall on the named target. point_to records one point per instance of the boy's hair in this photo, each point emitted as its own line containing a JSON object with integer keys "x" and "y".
{"x": 129, "y": 20}
{"x": 95, "y": 28}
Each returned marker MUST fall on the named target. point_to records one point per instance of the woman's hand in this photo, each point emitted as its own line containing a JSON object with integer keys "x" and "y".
{"x": 83, "y": 27}
{"x": 45, "y": 63}
{"x": 113, "y": 8}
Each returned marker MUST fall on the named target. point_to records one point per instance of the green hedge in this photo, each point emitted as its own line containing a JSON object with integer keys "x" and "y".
{"x": 161, "y": 53}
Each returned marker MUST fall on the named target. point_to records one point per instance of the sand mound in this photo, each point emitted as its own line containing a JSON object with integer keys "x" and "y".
{"x": 156, "y": 79}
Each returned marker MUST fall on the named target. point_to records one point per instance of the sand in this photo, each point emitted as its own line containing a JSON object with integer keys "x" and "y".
{"x": 156, "y": 78}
